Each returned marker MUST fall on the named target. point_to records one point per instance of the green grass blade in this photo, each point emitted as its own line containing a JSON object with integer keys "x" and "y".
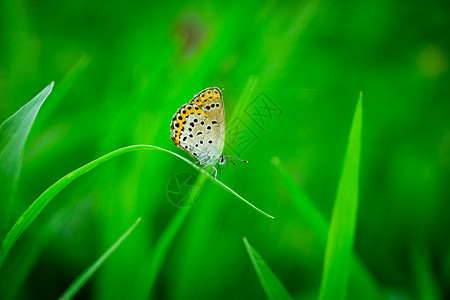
{"x": 64, "y": 86}
{"x": 364, "y": 282}
{"x": 309, "y": 213}
{"x": 339, "y": 249}
{"x": 13, "y": 135}
{"x": 39, "y": 204}
{"x": 78, "y": 283}
{"x": 152, "y": 265}
{"x": 272, "y": 286}
{"x": 426, "y": 282}
{"x": 225, "y": 187}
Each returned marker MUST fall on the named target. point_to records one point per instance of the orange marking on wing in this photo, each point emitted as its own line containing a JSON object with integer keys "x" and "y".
{"x": 177, "y": 137}
{"x": 180, "y": 122}
{"x": 197, "y": 101}
{"x": 185, "y": 114}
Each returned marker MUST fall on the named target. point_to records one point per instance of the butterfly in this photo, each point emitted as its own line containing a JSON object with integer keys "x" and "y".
{"x": 198, "y": 128}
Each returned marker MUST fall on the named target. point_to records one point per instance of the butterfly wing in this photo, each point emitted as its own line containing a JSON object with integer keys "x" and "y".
{"x": 198, "y": 127}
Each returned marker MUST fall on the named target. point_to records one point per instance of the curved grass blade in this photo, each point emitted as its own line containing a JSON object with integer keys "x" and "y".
{"x": 341, "y": 235}
{"x": 78, "y": 283}
{"x": 272, "y": 286}
{"x": 13, "y": 135}
{"x": 38, "y": 205}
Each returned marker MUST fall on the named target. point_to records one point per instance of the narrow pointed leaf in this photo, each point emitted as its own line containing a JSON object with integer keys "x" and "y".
{"x": 13, "y": 135}
{"x": 426, "y": 281}
{"x": 78, "y": 283}
{"x": 339, "y": 249}
{"x": 272, "y": 286}
{"x": 152, "y": 265}
{"x": 363, "y": 282}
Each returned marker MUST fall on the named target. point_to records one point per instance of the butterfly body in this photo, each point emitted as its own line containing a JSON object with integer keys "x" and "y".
{"x": 198, "y": 127}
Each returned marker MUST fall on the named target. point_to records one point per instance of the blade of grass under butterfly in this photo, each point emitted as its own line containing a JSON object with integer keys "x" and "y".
{"x": 39, "y": 204}
{"x": 272, "y": 286}
{"x": 339, "y": 249}
{"x": 13, "y": 135}
{"x": 152, "y": 266}
{"x": 78, "y": 283}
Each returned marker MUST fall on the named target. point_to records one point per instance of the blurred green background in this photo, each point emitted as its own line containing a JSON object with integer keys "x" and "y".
{"x": 126, "y": 68}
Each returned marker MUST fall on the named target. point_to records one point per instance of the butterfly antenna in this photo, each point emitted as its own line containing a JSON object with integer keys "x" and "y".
{"x": 246, "y": 161}
{"x": 232, "y": 162}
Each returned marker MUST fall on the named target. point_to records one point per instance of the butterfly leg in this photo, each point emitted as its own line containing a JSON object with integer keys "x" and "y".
{"x": 215, "y": 170}
{"x": 194, "y": 163}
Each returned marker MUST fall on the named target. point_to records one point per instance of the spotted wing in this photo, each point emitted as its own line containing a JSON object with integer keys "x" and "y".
{"x": 198, "y": 127}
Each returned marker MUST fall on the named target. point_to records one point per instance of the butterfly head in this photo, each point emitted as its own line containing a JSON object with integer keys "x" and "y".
{"x": 223, "y": 159}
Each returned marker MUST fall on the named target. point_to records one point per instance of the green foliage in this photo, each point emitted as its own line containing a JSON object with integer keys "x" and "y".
{"x": 272, "y": 286}
{"x": 78, "y": 283}
{"x": 341, "y": 234}
{"x": 290, "y": 74}
{"x": 13, "y": 129}
{"x": 13, "y": 134}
